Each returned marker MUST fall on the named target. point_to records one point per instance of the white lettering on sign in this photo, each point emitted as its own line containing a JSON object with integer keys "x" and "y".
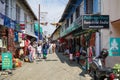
{"x": 114, "y": 45}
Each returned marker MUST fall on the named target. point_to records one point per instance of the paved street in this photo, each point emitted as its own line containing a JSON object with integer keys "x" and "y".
{"x": 55, "y": 67}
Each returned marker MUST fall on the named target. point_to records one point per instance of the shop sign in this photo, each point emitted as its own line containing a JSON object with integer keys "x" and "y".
{"x": 7, "y": 60}
{"x": 1, "y": 19}
{"x": 114, "y": 47}
{"x": 7, "y": 21}
{"x": 95, "y": 21}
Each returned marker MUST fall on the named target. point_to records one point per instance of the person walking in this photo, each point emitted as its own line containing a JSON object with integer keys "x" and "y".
{"x": 39, "y": 51}
{"x": 30, "y": 50}
{"x": 45, "y": 50}
{"x": 50, "y": 48}
{"x": 53, "y": 47}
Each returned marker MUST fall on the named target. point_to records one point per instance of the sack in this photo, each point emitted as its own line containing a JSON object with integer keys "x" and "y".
{"x": 26, "y": 59}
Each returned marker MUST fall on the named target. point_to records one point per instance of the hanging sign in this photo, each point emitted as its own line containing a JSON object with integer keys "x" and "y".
{"x": 95, "y": 21}
{"x": 7, "y": 21}
{"x": 114, "y": 47}
{"x": 7, "y": 60}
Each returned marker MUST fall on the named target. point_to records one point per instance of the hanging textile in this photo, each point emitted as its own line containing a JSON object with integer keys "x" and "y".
{"x": 90, "y": 54}
{"x": 15, "y": 36}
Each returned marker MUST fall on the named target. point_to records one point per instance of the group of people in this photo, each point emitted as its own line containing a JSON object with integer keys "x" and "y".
{"x": 74, "y": 52}
{"x": 36, "y": 51}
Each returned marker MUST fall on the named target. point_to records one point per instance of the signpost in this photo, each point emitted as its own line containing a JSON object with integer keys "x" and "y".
{"x": 95, "y": 21}
{"x": 114, "y": 47}
{"x": 6, "y": 60}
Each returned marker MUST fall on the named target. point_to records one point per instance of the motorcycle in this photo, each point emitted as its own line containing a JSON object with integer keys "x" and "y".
{"x": 98, "y": 70}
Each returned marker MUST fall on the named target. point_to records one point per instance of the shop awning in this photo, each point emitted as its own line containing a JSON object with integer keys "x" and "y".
{"x": 116, "y": 23}
{"x": 31, "y": 35}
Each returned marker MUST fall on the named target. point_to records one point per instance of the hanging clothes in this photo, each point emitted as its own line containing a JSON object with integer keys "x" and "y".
{"x": 90, "y": 54}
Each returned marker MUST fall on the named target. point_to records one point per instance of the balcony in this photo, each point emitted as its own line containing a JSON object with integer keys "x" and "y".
{"x": 75, "y": 25}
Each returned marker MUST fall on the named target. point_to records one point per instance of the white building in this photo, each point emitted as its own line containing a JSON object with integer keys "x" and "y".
{"x": 73, "y": 33}
{"x": 16, "y": 16}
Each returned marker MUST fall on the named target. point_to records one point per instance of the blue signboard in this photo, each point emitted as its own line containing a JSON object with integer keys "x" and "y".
{"x": 7, "y": 21}
{"x": 10, "y": 23}
{"x": 114, "y": 47}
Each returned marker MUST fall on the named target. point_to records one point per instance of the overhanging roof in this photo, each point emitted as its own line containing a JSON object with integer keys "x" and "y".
{"x": 116, "y": 23}
{"x": 70, "y": 8}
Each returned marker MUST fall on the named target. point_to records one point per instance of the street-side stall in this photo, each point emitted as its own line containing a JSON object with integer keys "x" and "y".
{"x": 87, "y": 47}
{"x": 3, "y": 42}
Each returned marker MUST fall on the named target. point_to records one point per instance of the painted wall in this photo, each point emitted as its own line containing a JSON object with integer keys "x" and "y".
{"x": 110, "y": 7}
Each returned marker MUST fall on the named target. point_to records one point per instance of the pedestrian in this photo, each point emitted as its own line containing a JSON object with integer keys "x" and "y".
{"x": 77, "y": 56}
{"x": 39, "y": 51}
{"x": 53, "y": 47}
{"x": 30, "y": 50}
{"x": 45, "y": 50}
{"x": 50, "y": 48}
{"x": 71, "y": 53}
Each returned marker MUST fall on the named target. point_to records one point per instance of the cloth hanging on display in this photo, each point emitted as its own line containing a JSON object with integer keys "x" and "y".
{"x": 97, "y": 44}
{"x": 90, "y": 54}
{"x": 16, "y": 37}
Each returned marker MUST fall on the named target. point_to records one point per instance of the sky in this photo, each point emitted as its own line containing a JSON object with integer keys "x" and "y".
{"x": 51, "y": 11}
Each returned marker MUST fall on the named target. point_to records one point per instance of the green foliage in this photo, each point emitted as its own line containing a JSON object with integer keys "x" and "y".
{"x": 116, "y": 68}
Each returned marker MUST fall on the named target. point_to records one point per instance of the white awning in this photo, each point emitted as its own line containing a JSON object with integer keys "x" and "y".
{"x": 33, "y": 35}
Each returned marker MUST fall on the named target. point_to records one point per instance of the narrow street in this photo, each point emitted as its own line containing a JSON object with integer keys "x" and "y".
{"x": 55, "y": 67}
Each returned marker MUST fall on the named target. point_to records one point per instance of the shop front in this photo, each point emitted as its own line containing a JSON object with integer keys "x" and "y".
{"x": 3, "y": 39}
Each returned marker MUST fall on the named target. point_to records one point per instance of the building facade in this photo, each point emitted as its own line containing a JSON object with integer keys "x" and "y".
{"x": 73, "y": 30}
{"x": 16, "y": 24}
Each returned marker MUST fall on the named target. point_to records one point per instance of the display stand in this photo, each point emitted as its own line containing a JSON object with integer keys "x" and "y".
{"x": 7, "y": 63}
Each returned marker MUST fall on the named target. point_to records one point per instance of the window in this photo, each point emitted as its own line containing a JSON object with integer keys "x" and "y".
{"x": 31, "y": 25}
{"x": 6, "y": 7}
{"x": 89, "y": 6}
{"x": 17, "y": 13}
{"x": 62, "y": 29}
{"x": 77, "y": 12}
{"x": 67, "y": 24}
{"x": 71, "y": 19}
{"x": 25, "y": 20}
{"x": 2, "y": 7}
{"x": 11, "y": 8}
{"x": 82, "y": 8}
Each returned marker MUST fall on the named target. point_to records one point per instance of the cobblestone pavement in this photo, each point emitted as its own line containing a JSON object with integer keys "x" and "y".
{"x": 55, "y": 67}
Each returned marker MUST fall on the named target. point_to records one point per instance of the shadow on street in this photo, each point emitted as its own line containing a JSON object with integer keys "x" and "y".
{"x": 65, "y": 59}
{"x": 51, "y": 60}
